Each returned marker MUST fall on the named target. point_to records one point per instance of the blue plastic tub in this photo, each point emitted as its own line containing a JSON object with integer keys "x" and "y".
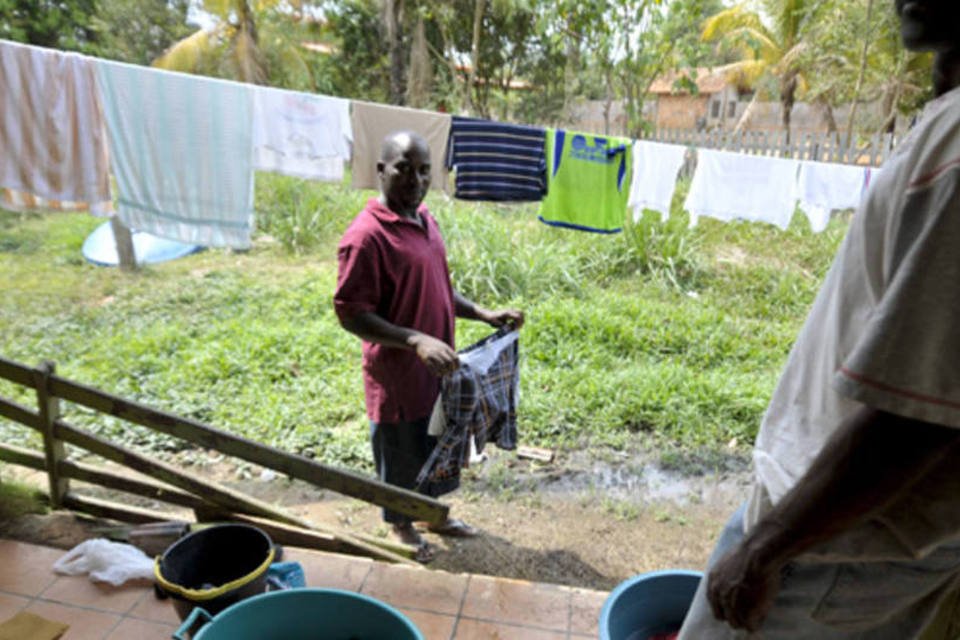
{"x": 302, "y": 614}
{"x": 648, "y": 604}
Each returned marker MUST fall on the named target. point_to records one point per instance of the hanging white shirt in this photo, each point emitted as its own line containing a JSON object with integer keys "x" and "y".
{"x": 655, "y": 168}
{"x": 827, "y": 187}
{"x": 736, "y": 186}
{"x": 301, "y": 134}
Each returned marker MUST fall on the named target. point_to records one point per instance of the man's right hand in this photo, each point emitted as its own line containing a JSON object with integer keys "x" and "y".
{"x": 439, "y": 357}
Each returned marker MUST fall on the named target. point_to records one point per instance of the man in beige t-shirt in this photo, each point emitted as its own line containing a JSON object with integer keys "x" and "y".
{"x": 852, "y": 529}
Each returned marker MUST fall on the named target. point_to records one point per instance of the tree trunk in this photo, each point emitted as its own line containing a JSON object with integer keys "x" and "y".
{"x": 392, "y": 14}
{"x": 420, "y": 69}
{"x": 747, "y": 113}
{"x": 788, "y": 93}
{"x": 479, "y": 7}
{"x": 826, "y": 112}
{"x": 863, "y": 71}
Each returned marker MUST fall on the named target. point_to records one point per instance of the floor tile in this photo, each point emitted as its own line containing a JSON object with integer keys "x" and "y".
{"x": 26, "y": 569}
{"x": 83, "y": 592}
{"x": 477, "y": 630}
{"x": 433, "y": 626}
{"x": 515, "y": 601}
{"x": 149, "y": 607}
{"x": 131, "y": 629}
{"x": 401, "y": 586}
{"x": 11, "y": 604}
{"x": 84, "y": 624}
{"x": 585, "y": 609}
{"x": 331, "y": 571}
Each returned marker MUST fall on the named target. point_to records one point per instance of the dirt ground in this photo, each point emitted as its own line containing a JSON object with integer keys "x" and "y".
{"x": 578, "y": 521}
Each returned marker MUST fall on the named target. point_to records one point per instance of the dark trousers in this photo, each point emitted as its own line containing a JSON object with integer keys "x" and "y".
{"x": 400, "y": 450}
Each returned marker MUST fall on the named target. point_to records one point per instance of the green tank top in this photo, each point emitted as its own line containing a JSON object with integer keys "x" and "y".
{"x": 587, "y": 181}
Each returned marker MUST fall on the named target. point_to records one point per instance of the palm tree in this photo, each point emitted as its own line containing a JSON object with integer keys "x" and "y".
{"x": 775, "y": 50}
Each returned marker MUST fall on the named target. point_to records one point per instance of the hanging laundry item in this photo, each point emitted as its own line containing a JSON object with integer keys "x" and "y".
{"x": 736, "y": 186}
{"x": 299, "y": 134}
{"x": 825, "y": 187}
{"x": 655, "y": 169}
{"x": 371, "y": 124}
{"x": 14, "y": 200}
{"x": 497, "y": 162}
{"x": 479, "y": 403}
{"x": 53, "y": 147}
{"x": 587, "y": 181}
{"x": 182, "y": 153}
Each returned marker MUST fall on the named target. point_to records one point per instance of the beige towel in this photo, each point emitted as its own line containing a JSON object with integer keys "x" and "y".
{"x": 20, "y": 201}
{"x": 52, "y": 136}
{"x": 372, "y": 122}
{"x": 26, "y": 626}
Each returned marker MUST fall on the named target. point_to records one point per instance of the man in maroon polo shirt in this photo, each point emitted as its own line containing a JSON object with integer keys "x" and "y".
{"x": 394, "y": 293}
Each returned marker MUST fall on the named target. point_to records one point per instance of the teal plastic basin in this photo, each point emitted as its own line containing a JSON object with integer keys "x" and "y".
{"x": 302, "y": 614}
{"x": 648, "y": 604}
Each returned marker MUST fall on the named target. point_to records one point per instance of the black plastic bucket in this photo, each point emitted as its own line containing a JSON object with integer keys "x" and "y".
{"x": 215, "y": 567}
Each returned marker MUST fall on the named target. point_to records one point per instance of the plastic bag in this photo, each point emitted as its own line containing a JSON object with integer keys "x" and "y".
{"x": 106, "y": 561}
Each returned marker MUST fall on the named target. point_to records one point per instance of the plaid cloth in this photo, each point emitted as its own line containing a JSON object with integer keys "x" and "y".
{"x": 479, "y": 401}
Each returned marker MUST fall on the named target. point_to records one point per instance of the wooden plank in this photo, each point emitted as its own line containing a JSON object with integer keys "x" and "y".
{"x": 18, "y": 413}
{"x": 54, "y": 451}
{"x": 16, "y": 372}
{"x": 342, "y": 481}
{"x": 123, "y": 240}
{"x": 113, "y": 510}
{"x": 217, "y": 494}
{"x": 345, "y": 542}
{"x": 145, "y": 488}
{"x": 23, "y": 457}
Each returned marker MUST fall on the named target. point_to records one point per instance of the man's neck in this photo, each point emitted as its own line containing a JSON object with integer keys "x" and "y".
{"x": 403, "y": 212}
{"x": 946, "y": 71}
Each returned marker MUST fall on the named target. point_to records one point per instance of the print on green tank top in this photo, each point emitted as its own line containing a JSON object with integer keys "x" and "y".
{"x": 588, "y": 181}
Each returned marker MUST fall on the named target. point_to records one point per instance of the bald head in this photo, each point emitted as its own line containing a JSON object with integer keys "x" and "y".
{"x": 404, "y": 170}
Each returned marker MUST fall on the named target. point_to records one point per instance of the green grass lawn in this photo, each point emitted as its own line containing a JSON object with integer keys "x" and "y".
{"x": 661, "y": 336}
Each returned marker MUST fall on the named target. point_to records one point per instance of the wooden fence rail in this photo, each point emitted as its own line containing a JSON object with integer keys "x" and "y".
{"x": 824, "y": 147}
{"x": 175, "y": 486}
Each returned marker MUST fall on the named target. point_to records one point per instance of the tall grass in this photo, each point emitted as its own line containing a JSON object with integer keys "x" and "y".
{"x": 660, "y": 334}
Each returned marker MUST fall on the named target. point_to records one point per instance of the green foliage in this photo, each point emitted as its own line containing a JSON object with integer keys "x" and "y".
{"x": 18, "y": 500}
{"x": 662, "y": 333}
{"x": 59, "y": 24}
{"x": 139, "y": 31}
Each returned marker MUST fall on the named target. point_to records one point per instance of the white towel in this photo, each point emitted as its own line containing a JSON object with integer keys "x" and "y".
{"x": 182, "y": 153}
{"x": 655, "y": 168}
{"x": 53, "y": 145}
{"x": 825, "y": 187}
{"x": 299, "y": 134}
{"x": 731, "y": 186}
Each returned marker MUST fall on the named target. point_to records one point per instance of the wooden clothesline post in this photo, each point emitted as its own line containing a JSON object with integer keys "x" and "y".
{"x": 124, "y": 241}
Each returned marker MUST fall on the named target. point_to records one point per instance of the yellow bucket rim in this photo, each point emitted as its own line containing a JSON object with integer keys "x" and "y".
{"x": 202, "y": 595}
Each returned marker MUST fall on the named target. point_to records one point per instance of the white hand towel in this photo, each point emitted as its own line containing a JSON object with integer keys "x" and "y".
{"x": 182, "y": 153}
{"x": 53, "y": 145}
{"x": 655, "y": 168}
{"x": 731, "y": 186}
{"x": 299, "y": 134}
{"x": 825, "y": 187}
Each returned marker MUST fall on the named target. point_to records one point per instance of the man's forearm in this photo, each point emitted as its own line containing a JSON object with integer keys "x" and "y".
{"x": 873, "y": 459}
{"x": 373, "y": 328}
{"x": 467, "y": 309}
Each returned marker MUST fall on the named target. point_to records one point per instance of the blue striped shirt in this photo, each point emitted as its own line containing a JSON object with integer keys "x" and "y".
{"x": 497, "y": 162}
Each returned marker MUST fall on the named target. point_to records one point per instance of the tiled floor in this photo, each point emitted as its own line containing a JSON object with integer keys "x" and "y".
{"x": 444, "y": 606}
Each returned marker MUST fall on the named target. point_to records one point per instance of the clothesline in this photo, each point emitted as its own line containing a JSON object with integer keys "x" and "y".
{"x": 184, "y": 150}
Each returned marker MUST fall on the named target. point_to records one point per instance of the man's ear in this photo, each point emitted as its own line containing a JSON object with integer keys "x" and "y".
{"x": 380, "y": 166}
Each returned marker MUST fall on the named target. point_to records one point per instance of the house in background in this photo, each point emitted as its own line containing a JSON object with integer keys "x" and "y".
{"x": 717, "y": 104}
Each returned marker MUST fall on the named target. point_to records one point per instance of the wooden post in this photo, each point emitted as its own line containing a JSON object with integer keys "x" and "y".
{"x": 54, "y": 451}
{"x": 124, "y": 241}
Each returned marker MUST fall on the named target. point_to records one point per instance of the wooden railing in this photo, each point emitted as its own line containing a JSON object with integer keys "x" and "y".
{"x": 175, "y": 487}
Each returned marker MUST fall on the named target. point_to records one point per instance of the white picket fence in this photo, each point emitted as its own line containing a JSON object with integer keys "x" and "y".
{"x": 824, "y": 147}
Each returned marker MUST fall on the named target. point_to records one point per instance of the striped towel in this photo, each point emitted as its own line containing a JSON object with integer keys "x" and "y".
{"x": 497, "y": 162}
{"x": 182, "y": 147}
{"x": 53, "y": 147}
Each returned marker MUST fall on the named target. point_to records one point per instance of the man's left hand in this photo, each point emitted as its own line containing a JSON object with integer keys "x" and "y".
{"x": 741, "y": 590}
{"x": 501, "y": 317}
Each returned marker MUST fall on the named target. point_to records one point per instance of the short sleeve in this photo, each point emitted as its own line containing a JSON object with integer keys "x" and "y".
{"x": 358, "y": 280}
{"x": 907, "y": 358}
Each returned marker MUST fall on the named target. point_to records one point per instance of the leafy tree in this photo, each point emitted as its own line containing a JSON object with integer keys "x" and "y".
{"x": 58, "y": 24}
{"x": 769, "y": 48}
{"x": 139, "y": 31}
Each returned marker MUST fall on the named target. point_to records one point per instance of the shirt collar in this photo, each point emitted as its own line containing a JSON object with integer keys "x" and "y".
{"x": 389, "y": 216}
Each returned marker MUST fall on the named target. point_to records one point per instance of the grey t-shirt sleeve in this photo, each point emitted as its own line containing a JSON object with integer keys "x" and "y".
{"x": 907, "y": 359}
